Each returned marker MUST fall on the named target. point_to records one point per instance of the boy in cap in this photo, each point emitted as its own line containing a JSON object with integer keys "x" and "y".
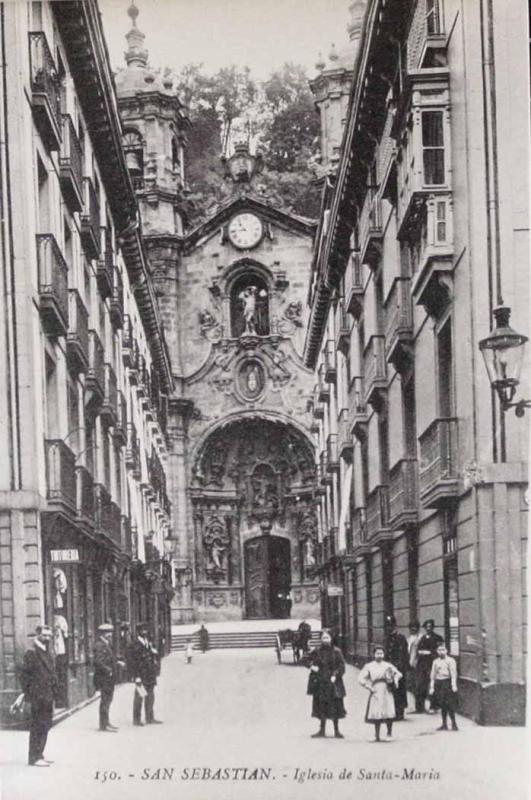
{"x": 39, "y": 684}
{"x": 105, "y": 672}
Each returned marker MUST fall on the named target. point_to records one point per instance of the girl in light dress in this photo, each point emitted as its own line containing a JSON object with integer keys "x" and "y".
{"x": 379, "y": 676}
{"x": 188, "y": 651}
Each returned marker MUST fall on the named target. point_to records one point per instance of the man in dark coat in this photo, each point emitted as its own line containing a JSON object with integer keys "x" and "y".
{"x": 326, "y": 685}
{"x": 146, "y": 668}
{"x": 426, "y": 654}
{"x": 39, "y": 684}
{"x": 203, "y": 639}
{"x": 105, "y": 674}
{"x": 397, "y": 653}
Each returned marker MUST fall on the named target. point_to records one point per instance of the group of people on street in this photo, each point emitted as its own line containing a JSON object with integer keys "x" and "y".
{"x": 41, "y": 687}
{"x": 421, "y": 660}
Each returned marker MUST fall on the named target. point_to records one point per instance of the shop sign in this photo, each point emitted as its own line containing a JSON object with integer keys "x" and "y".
{"x": 334, "y": 591}
{"x": 60, "y": 556}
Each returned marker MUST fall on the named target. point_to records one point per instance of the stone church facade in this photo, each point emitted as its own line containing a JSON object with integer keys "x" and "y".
{"x": 232, "y": 296}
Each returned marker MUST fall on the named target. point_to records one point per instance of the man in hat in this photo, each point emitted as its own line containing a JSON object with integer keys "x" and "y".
{"x": 105, "y": 672}
{"x": 145, "y": 667}
{"x": 426, "y": 654}
{"x": 39, "y": 684}
{"x": 396, "y": 652}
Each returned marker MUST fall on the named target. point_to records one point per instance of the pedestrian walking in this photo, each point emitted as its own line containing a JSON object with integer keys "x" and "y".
{"x": 39, "y": 684}
{"x": 188, "y": 651}
{"x": 105, "y": 674}
{"x": 203, "y": 639}
{"x": 396, "y": 652}
{"x": 325, "y": 684}
{"x": 145, "y": 665}
{"x": 380, "y": 677}
{"x": 443, "y": 686}
{"x": 426, "y": 653}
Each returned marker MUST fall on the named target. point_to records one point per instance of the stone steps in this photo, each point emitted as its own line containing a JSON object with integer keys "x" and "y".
{"x": 240, "y": 639}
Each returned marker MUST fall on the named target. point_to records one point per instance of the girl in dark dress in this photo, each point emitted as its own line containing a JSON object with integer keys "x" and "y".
{"x": 326, "y": 685}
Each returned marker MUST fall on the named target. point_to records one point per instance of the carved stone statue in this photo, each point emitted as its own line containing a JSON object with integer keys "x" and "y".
{"x": 248, "y": 299}
{"x": 217, "y": 551}
{"x": 309, "y": 552}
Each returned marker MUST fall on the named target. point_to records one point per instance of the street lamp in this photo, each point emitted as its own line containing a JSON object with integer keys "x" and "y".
{"x": 503, "y": 353}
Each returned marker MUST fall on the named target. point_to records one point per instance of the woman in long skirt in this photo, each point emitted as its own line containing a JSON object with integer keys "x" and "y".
{"x": 379, "y": 677}
{"x": 326, "y": 685}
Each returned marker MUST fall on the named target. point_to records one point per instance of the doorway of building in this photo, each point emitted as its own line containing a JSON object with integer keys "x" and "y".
{"x": 267, "y": 577}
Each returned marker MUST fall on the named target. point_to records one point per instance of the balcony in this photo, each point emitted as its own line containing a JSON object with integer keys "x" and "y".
{"x": 332, "y": 458}
{"x": 127, "y": 536}
{"x": 371, "y": 229}
{"x": 378, "y": 527}
{"x": 329, "y": 362}
{"x": 120, "y": 426}
{"x": 342, "y": 328}
{"x": 318, "y": 407}
{"x": 105, "y": 268}
{"x": 95, "y": 381}
{"x": 323, "y": 387}
{"x": 403, "y": 494}
{"x": 354, "y": 288}
{"x": 53, "y": 285}
{"x": 358, "y": 409}
{"x": 61, "y": 476}
{"x": 132, "y": 451}
{"x": 117, "y": 302}
{"x": 85, "y": 496}
{"x": 45, "y": 90}
{"x": 142, "y": 372}
{"x": 346, "y": 445}
{"x": 130, "y": 353}
{"x": 107, "y": 515}
{"x": 90, "y": 220}
{"x": 426, "y": 45}
{"x": 326, "y": 477}
{"x": 77, "y": 339}
{"x": 438, "y": 472}
{"x": 399, "y": 325}
{"x": 109, "y": 408}
{"x": 71, "y": 166}
{"x": 432, "y": 283}
{"x": 359, "y": 527}
{"x": 375, "y": 374}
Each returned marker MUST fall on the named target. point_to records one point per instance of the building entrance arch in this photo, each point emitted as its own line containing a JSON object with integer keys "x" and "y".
{"x": 253, "y": 492}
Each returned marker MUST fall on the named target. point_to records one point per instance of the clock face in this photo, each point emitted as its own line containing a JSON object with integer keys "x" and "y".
{"x": 245, "y": 231}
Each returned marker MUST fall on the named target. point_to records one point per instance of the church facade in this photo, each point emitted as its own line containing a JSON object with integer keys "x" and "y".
{"x": 232, "y": 296}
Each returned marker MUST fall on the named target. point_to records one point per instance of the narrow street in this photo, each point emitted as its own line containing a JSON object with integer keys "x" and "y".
{"x": 239, "y": 709}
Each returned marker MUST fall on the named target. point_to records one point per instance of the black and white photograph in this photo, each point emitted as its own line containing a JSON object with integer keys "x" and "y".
{"x": 265, "y": 391}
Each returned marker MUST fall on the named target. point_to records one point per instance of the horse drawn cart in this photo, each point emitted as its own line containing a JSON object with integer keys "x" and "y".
{"x": 291, "y": 645}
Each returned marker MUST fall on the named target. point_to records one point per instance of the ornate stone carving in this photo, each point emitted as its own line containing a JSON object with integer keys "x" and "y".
{"x": 217, "y": 600}
{"x": 251, "y": 379}
{"x": 312, "y": 596}
{"x": 307, "y": 532}
{"x": 297, "y": 596}
{"x": 216, "y": 546}
{"x": 209, "y": 325}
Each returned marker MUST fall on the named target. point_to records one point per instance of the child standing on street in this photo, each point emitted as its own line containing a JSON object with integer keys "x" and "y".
{"x": 379, "y": 677}
{"x": 188, "y": 651}
{"x": 443, "y": 686}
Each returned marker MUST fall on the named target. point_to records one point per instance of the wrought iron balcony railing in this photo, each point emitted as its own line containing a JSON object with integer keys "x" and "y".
{"x": 403, "y": 494}
{"x": 61, "y": 475}
{"x": 45, "y": 90}
{"x": 53, "y": 285}
{"x": 438, "y": 472}
{"x": 71, "y": 166}
{"x": 77, "y": 340}
{"x": 90, "y": 220}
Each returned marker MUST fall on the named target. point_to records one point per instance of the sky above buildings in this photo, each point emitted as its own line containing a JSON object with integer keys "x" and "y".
{"x": 262, "y": 34}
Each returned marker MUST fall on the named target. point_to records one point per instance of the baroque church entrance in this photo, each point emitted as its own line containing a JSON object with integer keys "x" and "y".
{"x": 255, "y": 524}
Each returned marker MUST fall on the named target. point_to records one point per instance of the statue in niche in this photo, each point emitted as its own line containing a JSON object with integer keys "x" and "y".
{"x": 216, "y": 544}
{"x": 248, "y": 299}
{"x": 216, "y": 554}
{"x": 309, "y": 552}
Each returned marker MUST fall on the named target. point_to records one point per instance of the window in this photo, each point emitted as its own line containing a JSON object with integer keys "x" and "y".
{"x": 433, "y": 18}
{"x": 249, "y": 306}
{"x": 89, "y": 445}
{"x": 73, "y": 413}
{"x": 383, "y": 447}
{"x": 368, "y": 585}
{"x": 445, "y": 370}
{"x": 412, "y": 575}
{"x": 44, "y": 197}
{"x": 52, "y": 400}
{"x": 387, "y": 580}
{"x": 409, "y": 417}
{"x": 433, "y": 147}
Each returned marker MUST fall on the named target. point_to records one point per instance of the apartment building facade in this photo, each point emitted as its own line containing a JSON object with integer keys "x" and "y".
{"x": 84, "y": 503}
{"x": 424, "y": 231}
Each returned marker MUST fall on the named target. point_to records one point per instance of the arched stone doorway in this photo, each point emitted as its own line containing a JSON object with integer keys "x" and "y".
{"x": 255, "y": 522}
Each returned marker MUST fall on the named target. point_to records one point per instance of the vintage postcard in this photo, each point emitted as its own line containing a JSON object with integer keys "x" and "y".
{"x": 264, "y": 399}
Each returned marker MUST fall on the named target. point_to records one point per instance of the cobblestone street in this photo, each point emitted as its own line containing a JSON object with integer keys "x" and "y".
{"x": 239, "y": 709}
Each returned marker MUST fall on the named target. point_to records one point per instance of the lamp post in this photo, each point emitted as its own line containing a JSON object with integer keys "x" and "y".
{"x": 503, "y": 352}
